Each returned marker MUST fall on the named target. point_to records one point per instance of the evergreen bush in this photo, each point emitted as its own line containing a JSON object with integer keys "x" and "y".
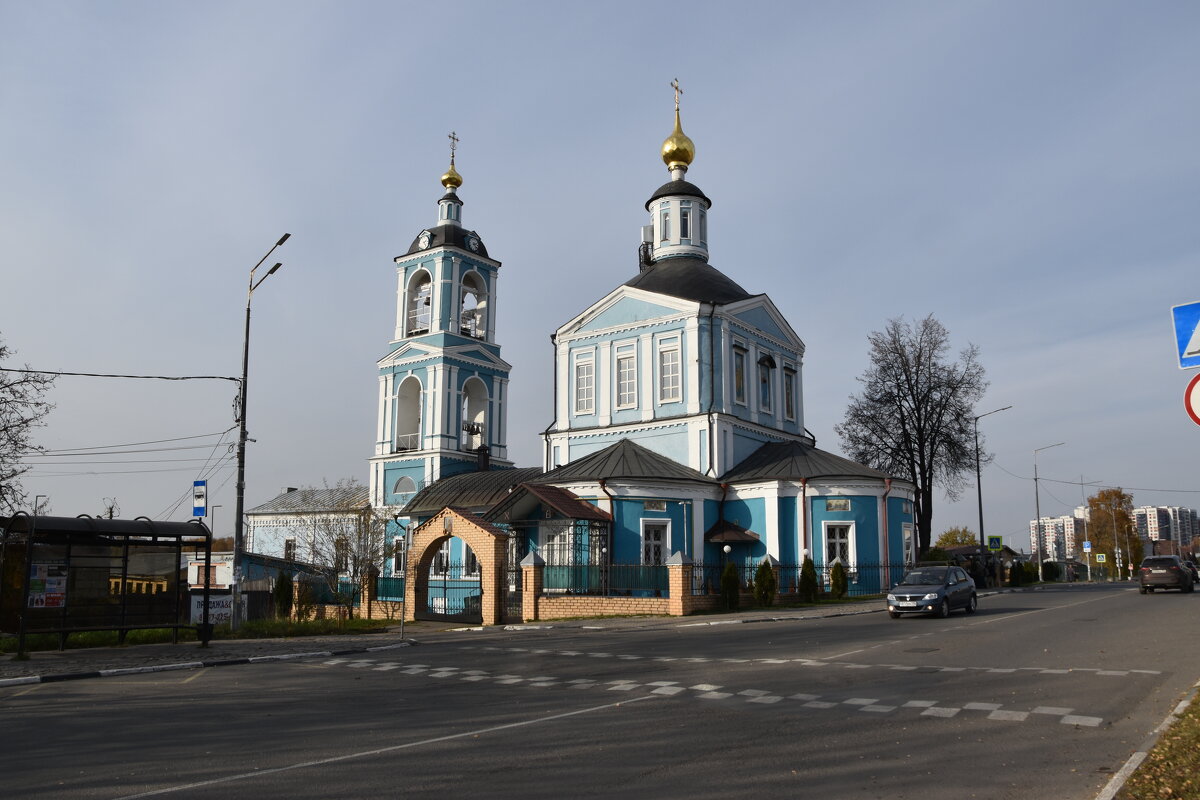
{"x": 808, "y": 581}
{"x": 765, "y": 585}
{"x": 837, "y": 580}
{"x": 730, "y": 587}
{"x": 282, "y": 595}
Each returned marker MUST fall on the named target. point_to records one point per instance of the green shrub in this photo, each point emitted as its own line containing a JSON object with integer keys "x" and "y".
{"x": 808, "y": 581}
{"x": 730, "y": 587}
{"x": 305, "y": 601}
{"x": 837, "y": 580}
{"x": 935, "y": 554}
{"x": 282, "y": 594}
{"x": 1030, "y": 572}
{"x": 765, "y": 585}
{"x": 1016, "y": 575}
{"x": 1050, "y": 571}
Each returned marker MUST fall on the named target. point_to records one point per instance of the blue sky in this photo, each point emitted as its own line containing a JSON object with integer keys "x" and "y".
{"x": 1028, "y": 172}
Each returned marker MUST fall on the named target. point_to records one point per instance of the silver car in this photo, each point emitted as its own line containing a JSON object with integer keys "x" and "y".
{"x": 933, "y": 590}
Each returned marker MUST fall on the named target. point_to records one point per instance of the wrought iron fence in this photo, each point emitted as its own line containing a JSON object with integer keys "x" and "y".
{"x": 862, "y": 580}
{"x": 606, "y": 580}
{"x": 389, "y": 587}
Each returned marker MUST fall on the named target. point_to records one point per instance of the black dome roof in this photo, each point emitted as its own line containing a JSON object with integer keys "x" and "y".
{"x": 453, "y": 235}
{"x": 689, "y": 278}
{"x": 678, "y": 188}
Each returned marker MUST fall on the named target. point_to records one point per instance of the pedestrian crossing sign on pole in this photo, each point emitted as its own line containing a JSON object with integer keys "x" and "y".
{"x": 1187, "y": 334}
{"x": 995, "y": 543}
{"x": 1100, "y": 558}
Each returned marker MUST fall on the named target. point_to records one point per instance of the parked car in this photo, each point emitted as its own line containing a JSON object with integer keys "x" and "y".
{"x": 1191, "y": 565}
{"x": 1165, "y": 572}
{"x": 936, "y": 590}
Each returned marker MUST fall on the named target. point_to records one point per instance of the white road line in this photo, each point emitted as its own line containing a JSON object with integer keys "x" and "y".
{"x": 382, "y": 750}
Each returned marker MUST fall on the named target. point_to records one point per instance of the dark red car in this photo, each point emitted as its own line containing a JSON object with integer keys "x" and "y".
{"x": 1165, "y": 572}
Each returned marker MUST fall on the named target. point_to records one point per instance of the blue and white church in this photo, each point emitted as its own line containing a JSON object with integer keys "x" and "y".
{"x": 678, "y": 413}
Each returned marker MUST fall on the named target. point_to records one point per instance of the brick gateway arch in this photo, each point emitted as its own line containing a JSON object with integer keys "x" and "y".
{"x": 489, "y": 544}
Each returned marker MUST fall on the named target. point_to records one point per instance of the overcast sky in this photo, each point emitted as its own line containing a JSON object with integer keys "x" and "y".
{"x": 1028, "y": 172}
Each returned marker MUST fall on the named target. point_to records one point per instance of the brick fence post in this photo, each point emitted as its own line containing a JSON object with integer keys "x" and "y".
{"x": 532, "y": 570}
{"x": 679, "y": 585}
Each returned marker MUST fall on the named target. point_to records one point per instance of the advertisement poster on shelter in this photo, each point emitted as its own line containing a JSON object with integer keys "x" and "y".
{"x": 47, "y": 585}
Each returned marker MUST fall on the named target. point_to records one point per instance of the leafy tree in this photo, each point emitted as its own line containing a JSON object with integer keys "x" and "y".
{"x": 730, "y": 587}
{"x": 347, "y": 538}
{"x": 22, "y": 409}
{"x": 935, "y": 554}
{"x": 765, "y": 584}
{"x": 957, "y": 537}
{"x": 837, "y": 580}
{"x": 915, "y": 416}
{"x": 1110, "y": 526}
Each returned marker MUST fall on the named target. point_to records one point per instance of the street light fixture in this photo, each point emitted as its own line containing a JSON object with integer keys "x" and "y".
{"x": 979, "y": 489}
{"x": 241, "y": 449}
{"x": 1037, "y": 506}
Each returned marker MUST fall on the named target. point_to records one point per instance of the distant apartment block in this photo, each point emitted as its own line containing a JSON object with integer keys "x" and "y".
{"x": 1166, "y": 524}
{"x": 1062, "y": 537}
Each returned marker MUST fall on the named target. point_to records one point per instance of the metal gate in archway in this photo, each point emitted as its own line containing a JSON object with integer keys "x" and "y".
{"x": 454, "y": 593}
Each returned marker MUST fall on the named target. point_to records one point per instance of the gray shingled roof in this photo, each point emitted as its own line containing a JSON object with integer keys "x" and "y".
{"x": 794, "y": 460}
{"x": 624, "y": 459}
{"x": 469, "y": 490}
{"x": 689, "y": 278}
{"x": 311, "y": 501}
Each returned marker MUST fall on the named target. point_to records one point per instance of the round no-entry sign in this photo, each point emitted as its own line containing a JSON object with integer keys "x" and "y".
{"x": 1191, "y": 399}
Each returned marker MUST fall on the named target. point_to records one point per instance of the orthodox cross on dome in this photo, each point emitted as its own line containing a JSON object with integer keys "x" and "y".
{"x": 453, "y": 137}
{"x": 678, "y": 91}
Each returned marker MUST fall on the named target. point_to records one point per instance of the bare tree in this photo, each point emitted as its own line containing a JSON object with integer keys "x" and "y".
{"x": 22, "y": 408}
{"x": 346, "y": 538}
{"x": 914, "y": 417}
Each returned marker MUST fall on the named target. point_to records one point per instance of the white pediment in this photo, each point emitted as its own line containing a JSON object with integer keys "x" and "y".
{"x": 626, "y": 307}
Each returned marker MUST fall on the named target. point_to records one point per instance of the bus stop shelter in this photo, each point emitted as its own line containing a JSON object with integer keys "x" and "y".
{"x": 63, "y": 575}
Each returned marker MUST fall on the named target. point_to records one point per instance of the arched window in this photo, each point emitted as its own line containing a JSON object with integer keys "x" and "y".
{"x": 473, "y": 317}
{"x": 474, "y": 414}
{"x": 420, "y": 298}
{"x": 408, "y": 415}
{"x": 405, "y": 485}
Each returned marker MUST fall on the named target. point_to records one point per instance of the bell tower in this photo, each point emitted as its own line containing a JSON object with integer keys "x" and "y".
{"x": 443, "y": 387}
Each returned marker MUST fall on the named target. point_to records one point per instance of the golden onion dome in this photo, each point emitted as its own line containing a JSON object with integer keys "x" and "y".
{"x": 678, "y": 150}
{"x": 452, "y": 180}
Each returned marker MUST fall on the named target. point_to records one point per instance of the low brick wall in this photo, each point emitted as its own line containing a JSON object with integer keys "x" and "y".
{"x": 567, "y": 606}
{"x": 382, "y": 609}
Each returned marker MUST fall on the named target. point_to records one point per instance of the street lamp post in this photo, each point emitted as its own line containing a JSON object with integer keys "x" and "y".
{"x": 213, "y": 509}
{"x": 239, "y": 506}
{"x": 979, "y": 490}
{"x": 1037, "y": 506}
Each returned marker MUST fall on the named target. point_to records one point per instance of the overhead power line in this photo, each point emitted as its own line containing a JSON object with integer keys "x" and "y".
{"x": 139, "y": 444}
{"x": 136, "y": 377}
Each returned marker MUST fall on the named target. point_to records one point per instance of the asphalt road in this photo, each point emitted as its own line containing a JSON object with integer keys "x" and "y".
{"x": 1038, "y": 695}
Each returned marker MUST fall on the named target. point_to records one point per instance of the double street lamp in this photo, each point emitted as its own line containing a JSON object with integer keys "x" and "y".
{"x": 241, "y": 448}
{"x": 979, "y": 489}
{"x": 1037, "y": 506}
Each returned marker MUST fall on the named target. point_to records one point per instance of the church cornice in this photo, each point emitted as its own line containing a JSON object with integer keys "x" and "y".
{"x": 617, "y": 330}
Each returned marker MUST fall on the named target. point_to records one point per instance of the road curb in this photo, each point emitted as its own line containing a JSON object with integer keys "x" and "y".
{"x": 1117, "y": 782}
{"x": 221, "y": 662}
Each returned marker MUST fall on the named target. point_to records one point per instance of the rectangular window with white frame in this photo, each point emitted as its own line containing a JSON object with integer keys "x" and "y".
{"x": 670, "y": 376}
{"x": 656, "y": 541}
{"x": 764, "y": 386}
{"x": 839, "y": 544}
{"x": 585, "y": 384}
{"x": 739, "y": 375}
{"x": 398, "y": 556}
{"x": 789, "y": 393}
{"x": 627, "y": 383}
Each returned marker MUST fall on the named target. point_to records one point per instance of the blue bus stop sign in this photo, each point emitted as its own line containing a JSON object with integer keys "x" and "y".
{"x": 1187, "y": 334}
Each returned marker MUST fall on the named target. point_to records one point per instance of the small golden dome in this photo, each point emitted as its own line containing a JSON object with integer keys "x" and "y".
{"x": 452, "y": 180}
{"x": 678, "y": 150}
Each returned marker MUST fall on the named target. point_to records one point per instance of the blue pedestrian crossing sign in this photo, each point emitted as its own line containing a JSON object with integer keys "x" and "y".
{"x": 995, "y": 543}
{"x": 1187, "y": 334}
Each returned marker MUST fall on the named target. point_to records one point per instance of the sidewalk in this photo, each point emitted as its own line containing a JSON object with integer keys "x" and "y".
{"x": 53, "y": 665}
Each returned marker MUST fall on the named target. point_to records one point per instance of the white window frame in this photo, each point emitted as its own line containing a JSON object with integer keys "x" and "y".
{"x": 908, "y": 533}
{"x": 584, "y": 383}
{"x": 740, "y": 356}
{"x": 664, "y": 545}
{"x": 685, "y": 219}
{"x": 851, "y": 560}
{"x": 670, "y": 391}
{"x": 766, "y": 387}
{"x": 664, "y": 223}
{"x": 626, "y": 381}
{"x": 398, "y": 556}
